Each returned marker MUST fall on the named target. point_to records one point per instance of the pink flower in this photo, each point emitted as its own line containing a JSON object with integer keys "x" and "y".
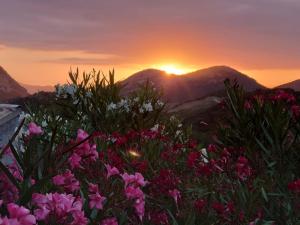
{"x": 111, "y": 171}
{"x": 248, "y": 105}
{"x": 243, "y": 169}
{"x": 74, "y": 161}
{"x": 84, "y": 152}
{"x": 93, "y": 188}
{"x": 61, "y": 208}
{"x": 93, "y": 153}
{"x": 200, "y": 204}
{"x": 294, "y": 186}
{"x": 96, "y": 201}
{"x": 81, "y": 135}
{"x": 67, "y": 180}
{"x": 175, "y": 194}
{"x": 19, "y": 215}
{"x": 296, "y": 110}
{"x": 8, "y": 191}
{"x": 136, "y": 179}
{"x": 132, "y": 192}
{"x": 34, "y": 129}
{"x": 109, "y": 221}
{"x": 139, "y": 206}
{"x": 218, "y": 207}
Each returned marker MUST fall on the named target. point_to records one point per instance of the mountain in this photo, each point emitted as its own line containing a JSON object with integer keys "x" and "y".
{"x": 293, "y": 85}
{"x": 9, "y": 88}
{"x": 190, "y": 86}
{"x": 32, "y": 89}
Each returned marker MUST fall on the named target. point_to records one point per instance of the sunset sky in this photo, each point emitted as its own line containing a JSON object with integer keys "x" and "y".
{"x": 40, "y": 40}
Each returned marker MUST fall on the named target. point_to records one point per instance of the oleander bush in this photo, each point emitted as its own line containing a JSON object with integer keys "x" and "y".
{"x": 93, "y": 156}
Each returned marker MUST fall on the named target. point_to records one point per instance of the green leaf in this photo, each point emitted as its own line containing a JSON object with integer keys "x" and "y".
{"x": 264, "y": 194}
{"x": 9, "y": 175}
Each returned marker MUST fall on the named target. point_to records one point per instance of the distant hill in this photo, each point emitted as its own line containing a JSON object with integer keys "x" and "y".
{"x": 293, "y": 85}
{"x": 9, "y": 88}
{"x": 190, "y": 86}
{"x": 32, "y": 89}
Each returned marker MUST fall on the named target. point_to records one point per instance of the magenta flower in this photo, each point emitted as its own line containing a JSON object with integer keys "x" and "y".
{"x": 109, "y": 221}
{"x": 136, "y": 193}
{"x": 175, "y": 194}
{"x": 111, "y": 171}
{"x": 136, "y": 179}
{"x": 96, "y": 201}
{"x": 84, "y": 152}
{"x": 93, "y": 188}
{"x": 243, "y": 169}
{"x": 132, "y": 192}
{"x": 67, "y": 180}
{"x": 34, "y": 129}
{"x": 139, "y": 206}
{"x": 74, "y": 161}
{"x": 64, "y": 209}
{"x": 18, "y": 215}
{"x": 294, "y": 186}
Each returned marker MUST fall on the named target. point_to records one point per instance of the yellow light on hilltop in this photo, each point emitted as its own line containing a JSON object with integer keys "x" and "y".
{"x": 172, "y": 69}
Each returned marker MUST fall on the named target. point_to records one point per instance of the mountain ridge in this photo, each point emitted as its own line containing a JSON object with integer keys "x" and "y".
{"x": 292, "y": 85}
{"x": 10, "y": 88}
{"x": 32, "y": 89}
{"x": 190, "y": 86}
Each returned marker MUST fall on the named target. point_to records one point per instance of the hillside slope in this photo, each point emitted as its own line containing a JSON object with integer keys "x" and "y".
{"x": 191, "y": 86}
{"x": 9, "y": 88}
{"x": 292, "y": 85}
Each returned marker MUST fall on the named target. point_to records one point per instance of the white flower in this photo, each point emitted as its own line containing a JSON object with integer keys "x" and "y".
{"x": 159, "y": 103}
{"x": 44, "y": 123}
{"x": 172, "y": 118}
{"x": 123, "y": 104}
{"x": 63, "y": 90}
{"x": 89, "y": 94}
{"x": 141, "y": 110}
{"x": 204, "y": 155}
{"x": 111, "y": 106}
{"x": 178, "y": 132}
{"x": 155, "y": 128}
{"x": 148, "y": 107}
{"x": 71, "y": 89}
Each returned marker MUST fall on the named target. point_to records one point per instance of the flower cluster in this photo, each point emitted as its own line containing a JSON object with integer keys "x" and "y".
{"x": 153, "y": 172}
{"x": 133, "y": 184}
{"x": 67, "y": 181}
{"x": 61, "y": 208}
{"x": 84, "y": 152}
{"x": 18, "y": 215}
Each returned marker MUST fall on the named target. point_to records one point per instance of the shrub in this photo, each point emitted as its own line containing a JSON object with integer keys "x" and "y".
{"x": 96, "y": 157}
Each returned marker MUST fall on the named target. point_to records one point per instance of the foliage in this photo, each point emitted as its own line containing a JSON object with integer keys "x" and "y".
{"x": 93, "y": 156}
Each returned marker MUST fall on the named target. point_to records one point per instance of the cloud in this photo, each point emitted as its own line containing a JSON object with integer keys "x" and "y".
{"x": 257, "y": 33}
{"x": 84, "y": 61}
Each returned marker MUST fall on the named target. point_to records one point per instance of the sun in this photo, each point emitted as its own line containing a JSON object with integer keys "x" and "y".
{"x": 172, "y": 69}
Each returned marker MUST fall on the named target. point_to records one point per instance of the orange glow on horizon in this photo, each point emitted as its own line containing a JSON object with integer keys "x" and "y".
{"x": 173, "y": 69}
{"x": 41, "y": 67}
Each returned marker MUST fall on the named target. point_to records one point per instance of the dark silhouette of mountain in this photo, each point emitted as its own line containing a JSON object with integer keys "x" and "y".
{"x": 292, "y": 85}
{"x": 32, "y": 89}
{"x": 190, "y": 86}
{"x": 9, "y": 88}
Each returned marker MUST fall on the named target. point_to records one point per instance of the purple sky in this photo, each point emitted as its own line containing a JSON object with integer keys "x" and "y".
{"x": 253, "y": 35}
